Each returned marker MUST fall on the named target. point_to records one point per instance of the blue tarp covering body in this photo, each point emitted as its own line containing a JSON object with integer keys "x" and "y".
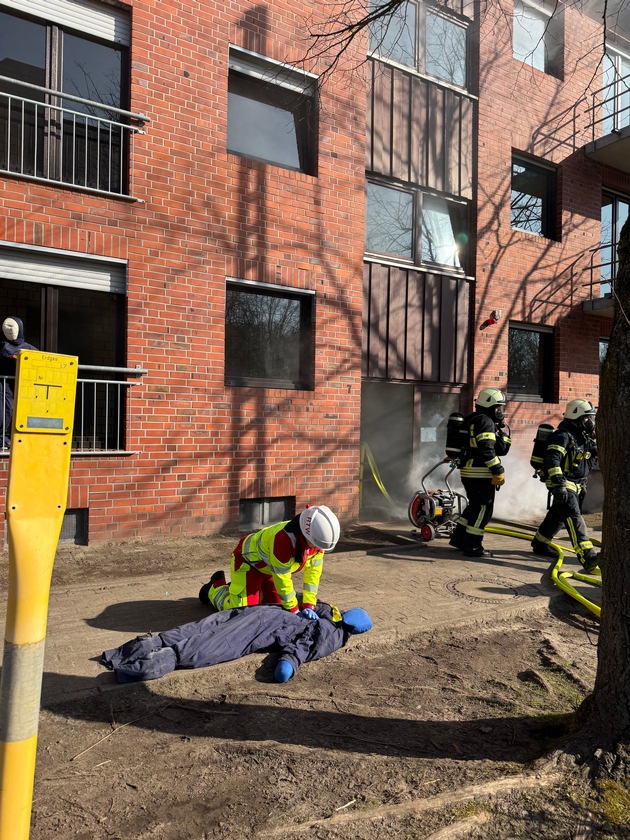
{"x": 228, "y": 635}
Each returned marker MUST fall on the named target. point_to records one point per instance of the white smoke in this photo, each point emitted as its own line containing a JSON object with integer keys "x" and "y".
{"x": 521, "y": 499}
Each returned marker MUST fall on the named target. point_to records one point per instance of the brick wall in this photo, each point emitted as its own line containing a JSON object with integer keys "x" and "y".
{"x": 204, "y": 215}
{"x": 532, "y": 279}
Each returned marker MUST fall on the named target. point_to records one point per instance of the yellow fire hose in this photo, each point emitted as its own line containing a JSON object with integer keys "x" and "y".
{"x": 560, "y": 579}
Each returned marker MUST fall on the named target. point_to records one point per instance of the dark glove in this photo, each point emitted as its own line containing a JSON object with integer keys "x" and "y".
{"x": 307, "y": 612}
{"x": 560, "y": 494}
{"x": 498, "y": 480}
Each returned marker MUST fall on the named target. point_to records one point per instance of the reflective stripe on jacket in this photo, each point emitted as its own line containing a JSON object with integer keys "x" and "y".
{"x": 276, "y": 551}
{"x": 485, "y": 444}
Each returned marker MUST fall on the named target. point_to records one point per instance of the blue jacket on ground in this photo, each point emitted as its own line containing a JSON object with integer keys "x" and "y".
{"x": 228, "y": 635}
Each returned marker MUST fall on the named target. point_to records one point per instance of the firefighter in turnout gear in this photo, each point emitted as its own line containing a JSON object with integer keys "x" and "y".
{"x": 481, "y": 469}
{"x": 567, "y": 463}
{"x": 263, "y": 564}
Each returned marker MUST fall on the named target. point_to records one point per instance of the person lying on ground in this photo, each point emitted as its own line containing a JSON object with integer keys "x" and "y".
{"x": 231, "y": 634}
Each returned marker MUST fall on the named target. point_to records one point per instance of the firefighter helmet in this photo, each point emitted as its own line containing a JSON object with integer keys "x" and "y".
{"x": 320, "y": 526}
{"x": 579, "y": 408}
{"x": 490, "y": 397}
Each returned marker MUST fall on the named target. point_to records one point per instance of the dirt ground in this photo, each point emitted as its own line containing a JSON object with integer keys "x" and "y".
{"x": 454, "y": 735}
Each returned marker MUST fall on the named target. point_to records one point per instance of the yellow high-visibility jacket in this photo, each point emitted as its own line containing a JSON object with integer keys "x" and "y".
{"x": 280, "y": 550}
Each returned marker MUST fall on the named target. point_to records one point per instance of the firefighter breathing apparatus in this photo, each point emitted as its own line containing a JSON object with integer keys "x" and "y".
{"x": 435, "y": 512}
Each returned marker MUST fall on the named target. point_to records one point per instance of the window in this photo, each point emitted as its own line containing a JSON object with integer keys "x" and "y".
{"x": 395, "y": 37}
{"x": 268, "y": 336}
{"x": 272, "y": 112}
{"x": 410, "y": 225}
{"x": 88, "y": 324}
{"x": 257, "y": 513}
{"x": 615, "y": 209}
{"x": 530, "y": 363}
{"x": 533, "y": 199}
{"x": 49, "y": 136}
{"x": 538, "y": 36}
{"x": 616, "y": 91}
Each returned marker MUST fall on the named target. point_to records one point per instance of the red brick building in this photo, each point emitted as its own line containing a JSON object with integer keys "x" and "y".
{"x": 185, "y": 208}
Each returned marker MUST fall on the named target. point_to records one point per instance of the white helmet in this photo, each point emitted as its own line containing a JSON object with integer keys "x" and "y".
{"x": 579, "y": 408}
{"x": 490, "y": 397}
{"x": 320, "y": 526}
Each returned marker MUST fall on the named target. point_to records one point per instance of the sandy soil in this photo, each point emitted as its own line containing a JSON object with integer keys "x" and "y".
{"x": 453, "y": 735}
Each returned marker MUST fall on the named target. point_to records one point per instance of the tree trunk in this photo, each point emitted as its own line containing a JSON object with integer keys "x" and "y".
{"x": 605, "y": 715}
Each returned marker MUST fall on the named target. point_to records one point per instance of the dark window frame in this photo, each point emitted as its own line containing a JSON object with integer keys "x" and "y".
{"x": 306, "y": 378}
{"x": 544, "y": 373}
{"x": 419, "y": 65}
{"x": 284, "y": 88}
{"x": 50, "y": 165}
{"x": 548, "y": 216}
{"x": 419, "y": 196}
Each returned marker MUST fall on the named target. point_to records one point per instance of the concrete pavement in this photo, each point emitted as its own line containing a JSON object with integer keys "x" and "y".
{"x": 407, "y": 589}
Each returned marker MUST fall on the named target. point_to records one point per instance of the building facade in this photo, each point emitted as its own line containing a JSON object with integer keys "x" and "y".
{"x": 279, "y": 289}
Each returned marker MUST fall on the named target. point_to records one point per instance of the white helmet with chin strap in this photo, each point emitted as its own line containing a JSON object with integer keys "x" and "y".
{"x": 579, "y": 408}
{"x": 490, "y": 397}
{"x": 582, "y": 413}
{"x": 320, "y": 527}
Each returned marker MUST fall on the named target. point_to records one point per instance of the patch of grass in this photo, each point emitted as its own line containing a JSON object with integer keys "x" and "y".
{"x": 615, "y": 803}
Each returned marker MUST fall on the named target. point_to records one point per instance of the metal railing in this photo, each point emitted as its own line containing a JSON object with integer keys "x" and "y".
{"x": 43, "y": 139}
{"x": 610, "y": 108}
{"x": 101, "y": 410}
{"x": 601, "y": 273}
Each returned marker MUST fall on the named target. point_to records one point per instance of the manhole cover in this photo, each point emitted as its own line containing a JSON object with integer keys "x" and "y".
{"x": 486, "y": 590}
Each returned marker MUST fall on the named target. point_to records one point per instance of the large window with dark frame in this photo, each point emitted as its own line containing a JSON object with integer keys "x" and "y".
{"x": 533, "y": 198}
{"x": 530, "y": 363}
{"x": 407, "y": 224}
{"x": 46, "y": 135}
{"x": 538, "y": 36}
{"x": 614, "y": 213}
{"x": 85, "y": 323}
{"x": 427, "y": 39}
{"x": 268, "y": 336}
{"x": 272, "y": 112}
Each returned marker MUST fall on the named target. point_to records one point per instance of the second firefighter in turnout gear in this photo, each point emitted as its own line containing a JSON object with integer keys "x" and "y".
{"x": 263, "y": 564}
{"x": 567, "y": 463}
{"x": 481, "y": 469}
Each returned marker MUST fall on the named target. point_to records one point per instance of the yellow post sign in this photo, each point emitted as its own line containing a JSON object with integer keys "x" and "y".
{"x": 39, "y": 467}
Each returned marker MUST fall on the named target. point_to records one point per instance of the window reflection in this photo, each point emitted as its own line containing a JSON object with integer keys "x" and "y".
{"x": 439, "y": 226}
{"x": 267, "y": 337}
{"x": 530, "y": 362}
{"x": 445, "y": 49}
{"x": 532, "y": 198}
{"x": 394, "y": 36}
{"x": 389, "y": 225}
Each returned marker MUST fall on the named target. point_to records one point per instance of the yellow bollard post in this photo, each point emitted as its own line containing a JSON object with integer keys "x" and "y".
{"x": 37, "y": 491}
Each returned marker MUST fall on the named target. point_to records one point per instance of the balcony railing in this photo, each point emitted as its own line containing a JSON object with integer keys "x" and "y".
{"x": 609, "y": 110}
{"x": 84, "y": 144}
{"x": 101, "y": 409}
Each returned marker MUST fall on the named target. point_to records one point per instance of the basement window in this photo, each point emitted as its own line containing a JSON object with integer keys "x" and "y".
{"x": 258, "y": 513}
